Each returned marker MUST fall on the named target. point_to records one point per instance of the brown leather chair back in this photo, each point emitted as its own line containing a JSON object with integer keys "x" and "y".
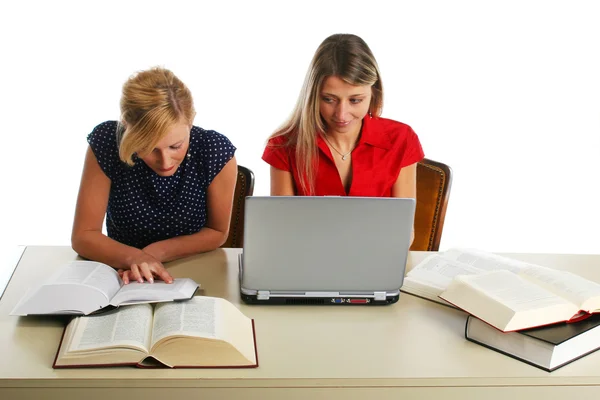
{"x": 434, "y": 180}
{"x": 244, "y": 187}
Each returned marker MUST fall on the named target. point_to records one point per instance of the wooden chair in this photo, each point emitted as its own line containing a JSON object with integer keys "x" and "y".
{"x": 434, "y": 180}
{"x": 244, "y": 187}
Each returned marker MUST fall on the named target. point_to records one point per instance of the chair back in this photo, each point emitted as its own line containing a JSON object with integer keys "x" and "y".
{"x": 434, "y": 180}
{"x": 244, "y": 187}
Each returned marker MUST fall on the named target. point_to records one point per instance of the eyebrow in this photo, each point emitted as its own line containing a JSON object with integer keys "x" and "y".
{"x": 352, "y": 95}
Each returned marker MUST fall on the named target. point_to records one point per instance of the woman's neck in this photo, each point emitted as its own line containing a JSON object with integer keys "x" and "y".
{"x": 343, "y": 141}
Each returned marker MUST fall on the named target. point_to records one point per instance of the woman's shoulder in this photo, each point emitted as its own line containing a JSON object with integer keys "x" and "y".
{"x": 103, "y": 142}
{"x": 106, "y": 128}
{"x": 391, "y": 135}
{"x": 210, "y": 146}
{"x": 282, "y": 140}
{"x": 206, "y": 139}
{"x": 391, "y": 126}
{"x": 104, "y": 135}
{"x": 395, "y": 132}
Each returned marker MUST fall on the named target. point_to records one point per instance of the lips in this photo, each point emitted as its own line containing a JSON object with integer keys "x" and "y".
{"x": 167, "y": 169}
{"x": 341, "y": 123}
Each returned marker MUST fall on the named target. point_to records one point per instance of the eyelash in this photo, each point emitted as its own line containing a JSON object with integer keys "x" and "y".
{"x": 175, "y": 147}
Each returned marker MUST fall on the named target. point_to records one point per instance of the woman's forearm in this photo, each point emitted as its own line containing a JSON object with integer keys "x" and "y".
{"x": 94, "y": 245}
{"x": 206, "y": 239}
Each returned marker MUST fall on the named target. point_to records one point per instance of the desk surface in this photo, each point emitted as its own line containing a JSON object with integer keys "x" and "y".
{"x": 9, "y": 258}
{"x": 414, "y": 347}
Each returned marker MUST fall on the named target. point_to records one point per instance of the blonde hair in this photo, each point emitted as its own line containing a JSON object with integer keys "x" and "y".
{"x": 348, "y": 57}
{"x": 151, "y": 102}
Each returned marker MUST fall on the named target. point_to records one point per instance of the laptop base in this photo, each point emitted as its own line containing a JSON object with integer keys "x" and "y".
{"x": 333, "y": 301}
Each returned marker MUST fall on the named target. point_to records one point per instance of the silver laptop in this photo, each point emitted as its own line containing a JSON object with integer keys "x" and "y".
{"x": 325, "y": 250}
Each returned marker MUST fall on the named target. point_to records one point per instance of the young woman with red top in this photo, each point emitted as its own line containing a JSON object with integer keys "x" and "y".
{"x": 335, "y": 142}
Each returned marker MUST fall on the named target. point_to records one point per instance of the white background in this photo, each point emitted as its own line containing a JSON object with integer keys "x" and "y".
{"x": 505, "y": 92}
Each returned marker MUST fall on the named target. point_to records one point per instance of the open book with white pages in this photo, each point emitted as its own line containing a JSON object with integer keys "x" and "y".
{"x": 433, "y": 275}
{"x": 506, "y": 293}
{"x": 84, "y": 287}
{"x": 203, "y": 332}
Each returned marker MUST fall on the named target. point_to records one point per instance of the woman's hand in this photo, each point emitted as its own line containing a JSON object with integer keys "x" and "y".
{"x": 145, "y": 267}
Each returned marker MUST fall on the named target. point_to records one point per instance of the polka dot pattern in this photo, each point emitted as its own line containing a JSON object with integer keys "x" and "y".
{"x": 144, "y": 207}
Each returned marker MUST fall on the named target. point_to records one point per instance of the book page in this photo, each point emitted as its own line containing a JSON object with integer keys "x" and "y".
{"x": 433, "y": 275}
{"x": 485, "y": 261}
{"x": 202, "y": 331}
{"x": 507, "y": 301}
{"x": 235, "y": 328}
{"x": 124, "y": 327}
{"x": 511, "y": 290}
{"x": 80, "y": 287}
{"x": 89, "y": 273}
{"x": 135, "y": 292}
{"x": 574, "y": 288}
{"x": 194, "y": 317}
{"x": 437, "y": 271}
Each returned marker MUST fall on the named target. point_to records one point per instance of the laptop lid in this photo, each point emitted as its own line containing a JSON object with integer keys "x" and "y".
{"x": 335, "y": 246}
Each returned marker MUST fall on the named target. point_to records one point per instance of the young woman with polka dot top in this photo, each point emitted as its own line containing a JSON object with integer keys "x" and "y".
{"x": 165, "y": 186}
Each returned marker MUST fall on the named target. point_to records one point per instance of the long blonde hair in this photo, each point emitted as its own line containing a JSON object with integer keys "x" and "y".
{"x": 348, "y": 57}
{"x": 151, "y": 102}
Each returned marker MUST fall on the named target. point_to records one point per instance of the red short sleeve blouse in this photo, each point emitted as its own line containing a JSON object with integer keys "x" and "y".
{"x": 384, "y": 147}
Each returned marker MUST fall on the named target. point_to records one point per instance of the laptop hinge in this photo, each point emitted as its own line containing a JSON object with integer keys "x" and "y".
{"x": 380, "y": 295}
{"x": 263, "y": 295}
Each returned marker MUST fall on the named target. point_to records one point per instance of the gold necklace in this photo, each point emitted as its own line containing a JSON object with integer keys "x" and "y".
{"x": 337, "y": 151}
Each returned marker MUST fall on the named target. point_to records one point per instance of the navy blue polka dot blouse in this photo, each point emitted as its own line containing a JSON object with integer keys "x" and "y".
{"x": 144, "y": 207}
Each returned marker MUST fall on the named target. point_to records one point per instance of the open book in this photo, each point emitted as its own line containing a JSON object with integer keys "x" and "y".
{"x": 507, "y": 294}
{"x": 204, "y": 332}
{"x": 82, "y": 287}
{"x": 433, "y": 275}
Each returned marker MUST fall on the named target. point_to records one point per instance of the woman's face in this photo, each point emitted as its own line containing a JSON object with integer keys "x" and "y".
{"x": 343, "y": 106}
{"x": 170, "y": 152}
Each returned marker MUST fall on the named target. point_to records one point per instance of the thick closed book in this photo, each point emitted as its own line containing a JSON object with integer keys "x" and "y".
{"x": 548, "y": 348}
{"x": 203, "y": 332}
{"x": 84, "y": 287}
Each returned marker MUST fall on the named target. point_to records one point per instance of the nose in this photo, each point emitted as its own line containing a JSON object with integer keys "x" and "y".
{"x": 340, "y": 111}
{"x": 163, "y": 160}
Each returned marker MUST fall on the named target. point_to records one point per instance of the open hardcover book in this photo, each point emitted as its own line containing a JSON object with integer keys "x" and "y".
{"x": 204, "y": 332}
{"x": 508, "y": 294}
{"x": 433, "y": 275}
{"x": 83, "y": 287}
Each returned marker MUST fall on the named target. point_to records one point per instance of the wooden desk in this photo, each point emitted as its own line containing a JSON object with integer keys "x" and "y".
{"x": 412, "y": 349}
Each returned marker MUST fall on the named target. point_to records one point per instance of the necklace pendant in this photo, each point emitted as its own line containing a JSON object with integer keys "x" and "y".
{"x": 344, "y": 158}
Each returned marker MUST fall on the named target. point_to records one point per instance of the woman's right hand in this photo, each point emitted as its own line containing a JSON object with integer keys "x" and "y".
{"x": 145, "y": 267}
